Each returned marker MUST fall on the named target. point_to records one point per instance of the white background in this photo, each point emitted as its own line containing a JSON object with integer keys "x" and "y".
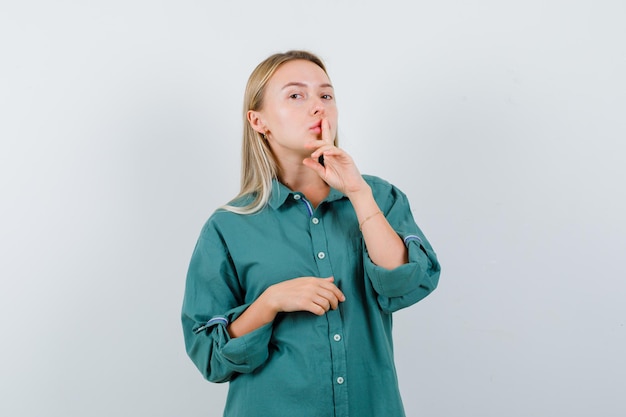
{"x": 504, "y": 122}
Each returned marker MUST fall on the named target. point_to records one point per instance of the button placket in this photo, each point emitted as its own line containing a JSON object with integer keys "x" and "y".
{"x": 335, "y": 323}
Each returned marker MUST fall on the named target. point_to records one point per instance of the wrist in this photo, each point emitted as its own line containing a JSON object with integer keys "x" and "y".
{"x": 363, "y": 193}
{"x": 266, "y": 306}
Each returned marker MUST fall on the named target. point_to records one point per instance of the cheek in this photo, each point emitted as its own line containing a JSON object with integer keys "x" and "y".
{"x": 331, "y": 111}
{"x": 285, "y": 115}
{"x": 333, "y": 117}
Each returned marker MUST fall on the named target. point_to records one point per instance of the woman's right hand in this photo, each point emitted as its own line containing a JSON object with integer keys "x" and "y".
{"x": 312, "y": 294}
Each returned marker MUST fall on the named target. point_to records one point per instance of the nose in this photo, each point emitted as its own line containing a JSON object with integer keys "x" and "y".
{"x": 318, "y": 106}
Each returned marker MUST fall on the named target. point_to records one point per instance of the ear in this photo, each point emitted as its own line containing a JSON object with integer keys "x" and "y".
{"x": 256, "y": 122}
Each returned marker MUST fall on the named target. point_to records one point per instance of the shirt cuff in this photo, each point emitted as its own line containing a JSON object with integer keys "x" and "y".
{"x": 246, "y": 353}
{"x": 240, "y": 354}
{"x": 405, "y": 278}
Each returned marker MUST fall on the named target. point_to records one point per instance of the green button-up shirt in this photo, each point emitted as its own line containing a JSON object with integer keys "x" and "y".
{"x": 303, "y": 365}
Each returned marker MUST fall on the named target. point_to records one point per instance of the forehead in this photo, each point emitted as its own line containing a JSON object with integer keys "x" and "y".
{"x": 298, "y": 71}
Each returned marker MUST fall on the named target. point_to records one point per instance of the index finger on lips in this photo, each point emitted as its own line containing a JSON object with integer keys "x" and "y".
{"x": 326, "y": 134}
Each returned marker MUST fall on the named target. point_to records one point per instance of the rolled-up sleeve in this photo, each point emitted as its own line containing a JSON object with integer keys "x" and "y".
{"x": 212, "y": 300}
{"x": 413, "y": 281}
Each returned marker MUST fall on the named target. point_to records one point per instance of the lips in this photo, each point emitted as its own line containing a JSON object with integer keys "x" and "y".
{"x": 317, "y": 127}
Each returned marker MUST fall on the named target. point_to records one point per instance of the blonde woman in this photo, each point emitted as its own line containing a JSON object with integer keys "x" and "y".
{"x": 291, "y": 287}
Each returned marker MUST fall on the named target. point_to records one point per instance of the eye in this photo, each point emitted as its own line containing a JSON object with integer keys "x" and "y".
{"x": 327, "y": 97}
{"x": 295, "y": 95}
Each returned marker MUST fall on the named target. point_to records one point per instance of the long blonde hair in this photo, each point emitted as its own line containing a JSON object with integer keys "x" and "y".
{"x": 258, "y": 164}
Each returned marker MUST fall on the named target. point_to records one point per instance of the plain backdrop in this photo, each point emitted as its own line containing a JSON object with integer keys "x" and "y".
{"x": 503, "y": 121}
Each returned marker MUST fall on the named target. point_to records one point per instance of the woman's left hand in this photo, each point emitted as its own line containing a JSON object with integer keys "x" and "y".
{"x": 339, "y": 170}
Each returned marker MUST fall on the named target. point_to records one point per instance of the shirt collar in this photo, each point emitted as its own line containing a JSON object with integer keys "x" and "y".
{"x": 280, "y": 193}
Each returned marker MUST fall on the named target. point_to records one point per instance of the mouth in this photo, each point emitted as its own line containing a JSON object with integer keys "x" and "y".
{"x": 316, "y": 128}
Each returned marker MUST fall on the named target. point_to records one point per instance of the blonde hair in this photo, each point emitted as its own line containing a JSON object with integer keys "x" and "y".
{"x": 258, "y": 164}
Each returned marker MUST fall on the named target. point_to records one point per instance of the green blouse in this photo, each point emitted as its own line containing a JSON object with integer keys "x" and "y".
{"x": 339, "y": 364}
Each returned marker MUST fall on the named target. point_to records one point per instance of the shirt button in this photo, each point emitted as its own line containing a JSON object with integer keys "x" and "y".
{"x": 340, "y": 380}
{"x": 321, "y": 255}
{"x": 315, "y": 220}
{"x": 297, "y": 197}
{"x": 337, "y": 337}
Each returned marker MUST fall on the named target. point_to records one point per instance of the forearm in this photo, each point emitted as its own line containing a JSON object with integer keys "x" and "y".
{"x": 257, "y": 315}
{"x": 385, "y": 248}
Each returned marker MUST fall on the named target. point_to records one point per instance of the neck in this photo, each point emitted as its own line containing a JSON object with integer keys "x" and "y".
{"x": 297, "y": 177}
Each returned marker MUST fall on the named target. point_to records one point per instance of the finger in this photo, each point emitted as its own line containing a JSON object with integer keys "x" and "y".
{"x": 326, "y": 149}
{"x": 326, "y": 133}
{"x": 315, "y": 166}
{"x": 323, "y": 302}
{"x": 334, "y": 303}
{"x": 317, "y": 307}
{"x": 334, "y": 289}
{"x": 339, "y": 295}
{"x": 330, "y": 297}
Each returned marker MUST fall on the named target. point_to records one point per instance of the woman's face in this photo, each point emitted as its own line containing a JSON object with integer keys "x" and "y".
{"x": 297, "y": 98}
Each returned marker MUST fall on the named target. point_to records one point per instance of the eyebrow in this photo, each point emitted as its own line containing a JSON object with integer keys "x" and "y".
{"x": 301, "y": 84}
